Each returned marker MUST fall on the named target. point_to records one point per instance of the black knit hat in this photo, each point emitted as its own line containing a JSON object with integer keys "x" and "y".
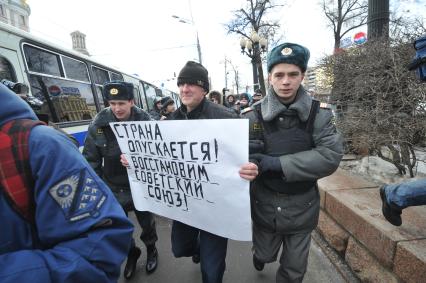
{"x": 117, "y": 90}
{"x": 290, "y": 53}
{"x": 194, "y": 73}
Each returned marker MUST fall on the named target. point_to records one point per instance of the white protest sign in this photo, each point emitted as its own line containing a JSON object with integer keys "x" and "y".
{"x": 187, "y": 170}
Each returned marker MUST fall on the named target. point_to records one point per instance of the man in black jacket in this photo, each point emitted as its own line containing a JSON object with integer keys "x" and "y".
{"x": 102, "y": 152}
{"x": 204, "y": 247}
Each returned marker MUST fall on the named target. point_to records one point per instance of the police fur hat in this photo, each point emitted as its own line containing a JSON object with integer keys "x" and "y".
{"x": 290, "y": 53}
{"x": 194, "y": 73}
{"x": 166, "y": 101}
{"x": 117, "y": 90}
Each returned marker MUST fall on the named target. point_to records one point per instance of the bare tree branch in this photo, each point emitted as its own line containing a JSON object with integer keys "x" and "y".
{"x": 381, "y": 105}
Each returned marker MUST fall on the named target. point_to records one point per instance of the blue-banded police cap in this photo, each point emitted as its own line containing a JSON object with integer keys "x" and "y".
{"x": 289, "y": 53}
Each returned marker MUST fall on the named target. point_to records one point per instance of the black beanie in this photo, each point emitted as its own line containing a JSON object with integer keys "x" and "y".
{"x": 194, "y": 73}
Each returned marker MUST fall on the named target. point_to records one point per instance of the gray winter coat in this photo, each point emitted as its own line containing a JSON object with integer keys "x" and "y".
{"x": 319, "y": 162}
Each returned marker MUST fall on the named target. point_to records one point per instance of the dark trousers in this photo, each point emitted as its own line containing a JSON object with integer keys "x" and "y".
{"x": 187, "y": 240}
{"x": 147, "y": 223}
{"x": 145, "y": 218}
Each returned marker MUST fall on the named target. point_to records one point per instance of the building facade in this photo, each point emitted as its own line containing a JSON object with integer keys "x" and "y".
{"x": 317, "y": 83}
{"x": 15, "y": 13}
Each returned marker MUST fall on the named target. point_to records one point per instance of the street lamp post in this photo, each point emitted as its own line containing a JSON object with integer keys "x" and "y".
{"x": 186, "y": 21}
{"x": 255, "y": 45}
{"x": 236, "y": 77}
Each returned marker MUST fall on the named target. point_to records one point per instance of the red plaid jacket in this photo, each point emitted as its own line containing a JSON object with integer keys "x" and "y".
{"x": 15, "y": 173}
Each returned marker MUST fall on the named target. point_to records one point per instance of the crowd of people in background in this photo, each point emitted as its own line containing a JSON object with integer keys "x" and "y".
{"x": 237, "y": 102}
{"x": 164, "y": 106}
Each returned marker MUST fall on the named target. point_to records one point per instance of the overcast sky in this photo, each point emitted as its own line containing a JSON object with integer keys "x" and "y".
{"x": 142, "y": 37}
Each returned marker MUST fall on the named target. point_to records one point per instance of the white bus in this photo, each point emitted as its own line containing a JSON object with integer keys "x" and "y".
{"x": 65, "y": 86}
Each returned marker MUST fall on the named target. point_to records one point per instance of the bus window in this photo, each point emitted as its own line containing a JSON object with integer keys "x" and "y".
{"x": 6, "y": 70}
{"x": 42, "y": 61}
{"x": 75, "y": 70}
{"x": 101, "y": 76}
{"x": 116, "y": 77}
{"x": 137, "y": 96}
{"x": 63, "y": 100}
{"x": 150, "y": 95}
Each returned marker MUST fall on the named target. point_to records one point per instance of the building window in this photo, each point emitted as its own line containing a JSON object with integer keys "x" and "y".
{"x": 2, "y": 14}
{"x": 22, "y": 21}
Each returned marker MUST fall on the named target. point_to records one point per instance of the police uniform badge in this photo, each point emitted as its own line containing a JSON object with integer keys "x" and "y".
{"x": 257, "y": 127}
{"x": 286, "y": 51}
{"x": 78, "y": 196}
{"x": 100, "y": 131}
{"x": 113, "y": 91}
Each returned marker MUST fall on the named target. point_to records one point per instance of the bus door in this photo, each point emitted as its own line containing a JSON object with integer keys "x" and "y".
{"x": 10, "y": 69}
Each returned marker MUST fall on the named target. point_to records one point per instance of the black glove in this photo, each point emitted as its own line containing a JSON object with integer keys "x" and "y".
{"x": 255, "y": 146}
{"x": 266, "y": 162}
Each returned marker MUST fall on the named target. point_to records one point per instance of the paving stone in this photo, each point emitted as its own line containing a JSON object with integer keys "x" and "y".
{"x": 410, "y": 261}
{"x": 359, "y": 212}
{"x": 335, "y": 235}
{"x": 365, "y": 266}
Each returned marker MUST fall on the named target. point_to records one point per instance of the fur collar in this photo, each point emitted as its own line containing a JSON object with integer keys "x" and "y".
{"x": 271, "y": 106}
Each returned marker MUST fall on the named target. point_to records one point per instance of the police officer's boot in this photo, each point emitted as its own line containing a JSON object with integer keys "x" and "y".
{"x": 132, "y": 259}
{"x": 151, "y": 258}
{"x": 257, "y": 263}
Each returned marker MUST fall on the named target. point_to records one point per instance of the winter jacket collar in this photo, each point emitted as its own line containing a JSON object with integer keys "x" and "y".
{"x": 106, "y": 116}
{"x": 271, "y": 106}
{"x": 195, "y": 113}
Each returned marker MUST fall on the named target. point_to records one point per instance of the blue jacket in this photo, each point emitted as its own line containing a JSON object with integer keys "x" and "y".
{"x": 82, "y": 233}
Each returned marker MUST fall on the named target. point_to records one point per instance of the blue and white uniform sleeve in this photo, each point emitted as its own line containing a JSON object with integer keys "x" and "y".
{"x": 83, "y": 233}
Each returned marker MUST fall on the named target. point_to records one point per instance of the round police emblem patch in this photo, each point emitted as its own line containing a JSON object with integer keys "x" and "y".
{"x": 113, "y": 91}
{"x": 286, "y": 51}
{"x": 64, "y": 190}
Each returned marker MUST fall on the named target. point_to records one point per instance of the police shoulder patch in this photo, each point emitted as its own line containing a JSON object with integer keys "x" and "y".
{"x": 100, "y": 131}
{"x": 78, "y": 196}
{"x": 246, "y": 110}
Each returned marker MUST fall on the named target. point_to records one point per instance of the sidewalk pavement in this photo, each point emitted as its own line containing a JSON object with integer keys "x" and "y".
{"x": 239, "y": 263}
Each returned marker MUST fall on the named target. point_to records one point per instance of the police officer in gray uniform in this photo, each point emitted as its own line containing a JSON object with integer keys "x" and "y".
{"x": 103, "y": 153}
{"x": 294, "y": 143}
